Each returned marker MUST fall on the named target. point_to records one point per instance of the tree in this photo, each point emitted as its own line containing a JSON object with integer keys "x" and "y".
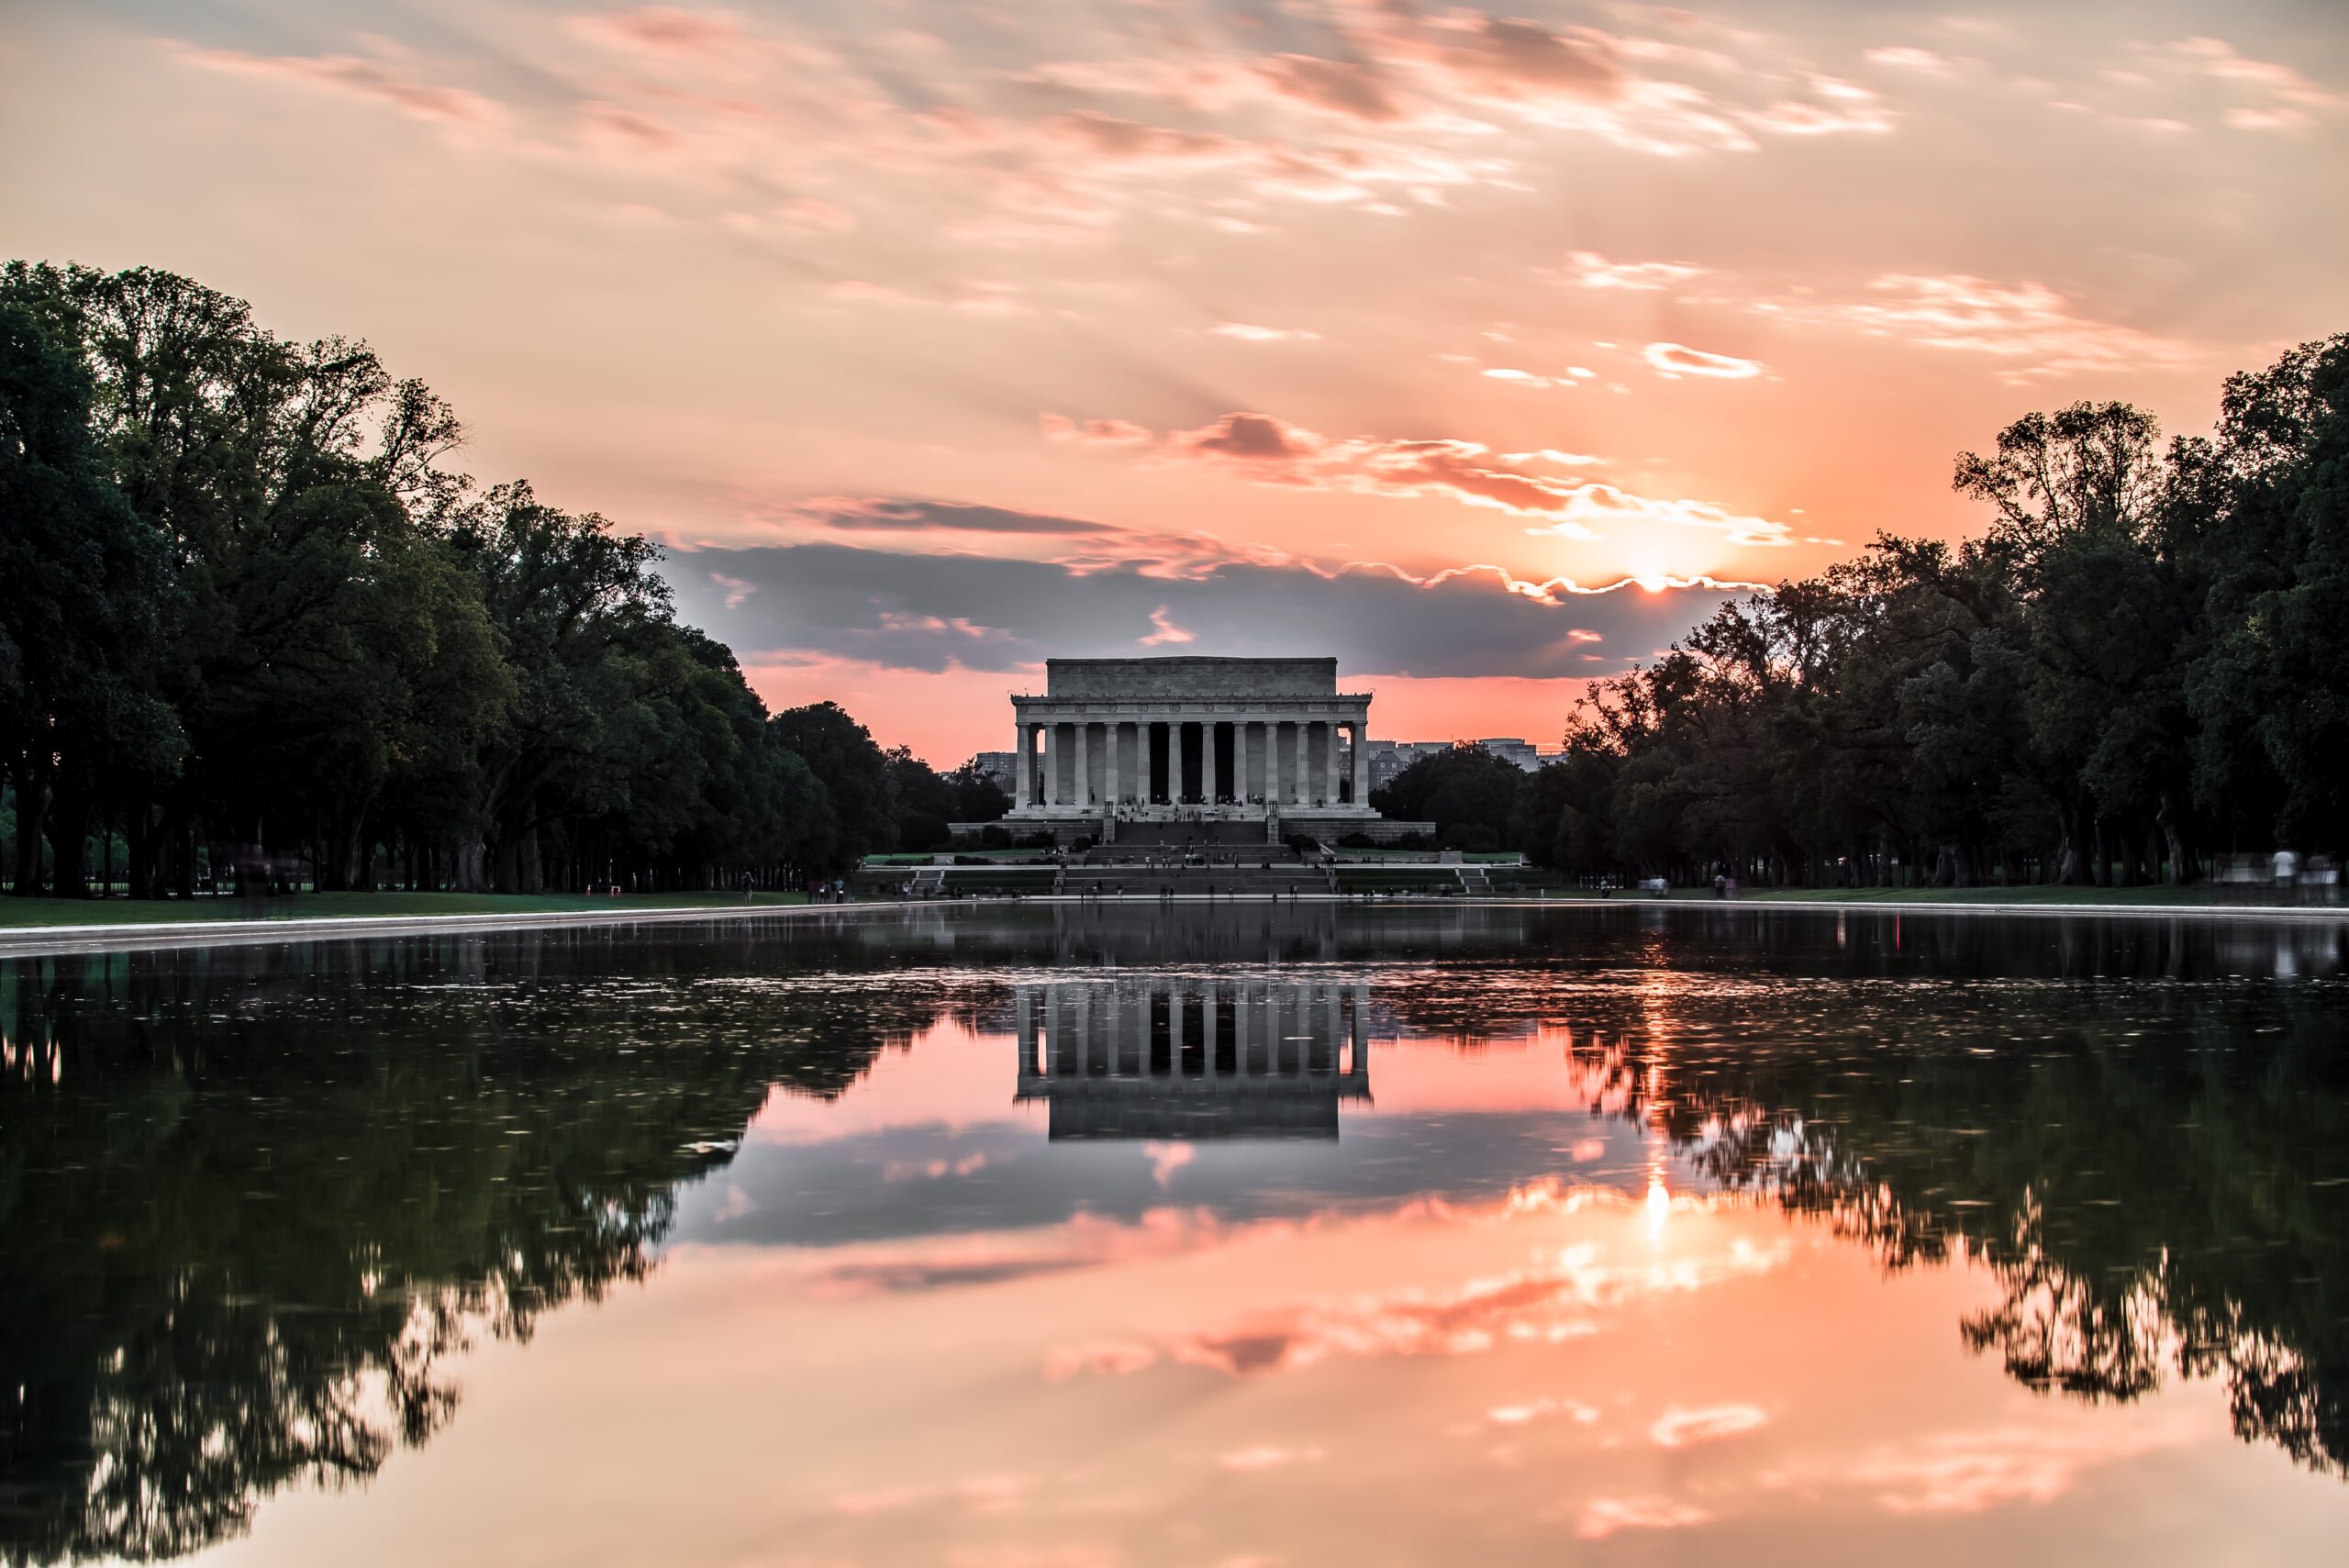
{"x": 275, "y": 631}
{"x": 1467, "y": 793}
{"x": 83, "y": 615}
{"x": 2266, "y": 511}
{"x": 856, "y": 775}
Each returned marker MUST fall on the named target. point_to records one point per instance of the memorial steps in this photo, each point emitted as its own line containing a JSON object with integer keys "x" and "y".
{"x": 1282, "y": 879}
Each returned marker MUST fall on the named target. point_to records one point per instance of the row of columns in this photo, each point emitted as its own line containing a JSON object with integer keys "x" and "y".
{"x": 1240, "y": 1028}
{"x": 1297, "y": 791}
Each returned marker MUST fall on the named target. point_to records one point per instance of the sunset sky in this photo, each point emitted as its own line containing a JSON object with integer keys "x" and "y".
{"x": 936, "y": 338}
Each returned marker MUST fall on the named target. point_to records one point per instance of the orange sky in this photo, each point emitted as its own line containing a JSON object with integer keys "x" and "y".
{"x": 936, "y": 338}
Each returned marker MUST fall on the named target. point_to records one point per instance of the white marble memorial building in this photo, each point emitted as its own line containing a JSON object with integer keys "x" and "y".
{"x": 1127, "y": 742}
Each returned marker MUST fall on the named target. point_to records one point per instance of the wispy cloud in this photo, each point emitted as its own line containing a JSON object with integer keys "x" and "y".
{"x": 1671, "y": 359}
{"x": 1539, "y": 485}
{"x": 359, "y": 78}
{"x": 2028, "y": 323}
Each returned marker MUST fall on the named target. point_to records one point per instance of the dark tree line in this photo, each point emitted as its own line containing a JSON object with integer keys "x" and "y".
{"x": 252, "y": 626}
{"x": 2136, "y": 666}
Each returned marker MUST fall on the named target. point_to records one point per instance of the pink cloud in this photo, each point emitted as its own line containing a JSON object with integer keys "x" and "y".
{"x": 1678, "y": 359}
{"x": 1555, "y": 1299}
{"x": 665, "y": 29}
{"x": 1509, "y": 56}
{"x": 1341, "y": 86}
{"x": 1085, "y": 1242}
{"x": 1966, "y": 1472}
{"x": 1593, "y": 270}
{"x": 1250, "y": 334}
{"x": 1527, "y": 378}
{"x": 626, "y": 130}
{"x": 1686, "y": 1428}
{"x": 1257, "y": 439}
{"x": 1602, "y": 1517}
{"x": 1092, "y": 432}
{"x": 369, "y": 81}
{"x": 2218, "y": 60}
{"x": 1903, "y": 57}
{"x": 1119, "y": 138}
{"x": 2025, "y": 321}
{"x": 1266, "y": 1456}
{"x": 1167, "y": 635}
{"x": 1270, "y": 450}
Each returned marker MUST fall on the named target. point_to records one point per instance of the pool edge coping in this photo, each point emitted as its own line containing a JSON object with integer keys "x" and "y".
{"x": 26, "y": 942}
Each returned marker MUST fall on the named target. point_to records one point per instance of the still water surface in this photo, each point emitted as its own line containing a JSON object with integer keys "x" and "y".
{"x": 1066, "y": 1237}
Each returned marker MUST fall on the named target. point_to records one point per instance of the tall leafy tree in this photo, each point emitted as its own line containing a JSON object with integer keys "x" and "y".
{"x": 855, "y": 771}
{"x": 82, "y": 616}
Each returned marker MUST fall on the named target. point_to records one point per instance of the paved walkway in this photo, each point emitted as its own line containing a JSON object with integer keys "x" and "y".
{"x": 23, "y": 941}
{"x": 18, "y": 941}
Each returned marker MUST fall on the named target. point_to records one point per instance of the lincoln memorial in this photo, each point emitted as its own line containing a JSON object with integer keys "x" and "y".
{"x": 1113, "y": 746}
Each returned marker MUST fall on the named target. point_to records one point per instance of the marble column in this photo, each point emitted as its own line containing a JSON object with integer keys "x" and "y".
{"x": 1329, "y": 788}
{"x": 1361, "y": 763}
{"x": 1109, "y": 767}
{"x": 1240, "y": 761}
{"x": 1175, "y": 759}
{"x": 1052, "y": 760}
{"x": 1358, "y": 1065}
{"x": 1023, "y": 773}
{"x": 1084, "y": 791}
{"x": 1302, "y": 793}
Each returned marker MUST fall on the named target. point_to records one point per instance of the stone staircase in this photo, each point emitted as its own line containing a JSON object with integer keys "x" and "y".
{"x": 1475, "y": 882}
{"x": 1277, "y": 874}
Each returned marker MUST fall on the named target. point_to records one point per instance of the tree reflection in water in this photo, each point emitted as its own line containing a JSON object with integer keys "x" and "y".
{"x": 2156, "y": 1174}
{"x": 251, "y": 1201}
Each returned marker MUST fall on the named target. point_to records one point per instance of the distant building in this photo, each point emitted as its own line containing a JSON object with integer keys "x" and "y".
{"x": 1511, "y": 748}
{"x": 1000, "y": 766}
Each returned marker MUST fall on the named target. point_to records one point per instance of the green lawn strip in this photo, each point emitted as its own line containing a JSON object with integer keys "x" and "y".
{"x": 19, "y": 912}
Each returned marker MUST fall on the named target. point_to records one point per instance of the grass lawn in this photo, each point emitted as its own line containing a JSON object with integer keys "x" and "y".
{"x": 328, "y": 906}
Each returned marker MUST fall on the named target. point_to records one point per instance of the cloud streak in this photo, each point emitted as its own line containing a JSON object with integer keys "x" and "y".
{"x": 1540, "y": 486}
{"x": 2040, "y": 331}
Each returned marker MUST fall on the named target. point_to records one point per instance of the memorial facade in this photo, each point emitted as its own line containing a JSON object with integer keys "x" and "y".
{"x": 1193, "y": 740}
{"x": 1151, "y": 1058}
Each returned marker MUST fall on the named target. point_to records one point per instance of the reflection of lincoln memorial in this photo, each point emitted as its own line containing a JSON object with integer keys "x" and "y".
{"x": 1171, "y": 1057}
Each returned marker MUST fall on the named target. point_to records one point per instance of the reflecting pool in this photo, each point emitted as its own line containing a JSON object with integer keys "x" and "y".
{"x": 1154, "y": 1236}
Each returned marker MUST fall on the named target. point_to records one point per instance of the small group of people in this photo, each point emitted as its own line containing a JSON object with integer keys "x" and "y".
{"x": 833, "y": 891}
